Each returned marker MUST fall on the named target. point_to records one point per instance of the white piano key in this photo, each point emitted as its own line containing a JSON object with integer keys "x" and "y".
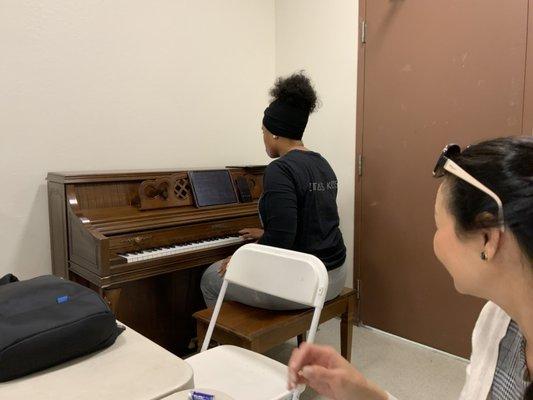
{"x": 149, "y": 254}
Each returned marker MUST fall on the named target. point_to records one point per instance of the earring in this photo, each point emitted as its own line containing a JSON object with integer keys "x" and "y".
{"x": 483, "y": 256}
{"x": 274, "y": 136}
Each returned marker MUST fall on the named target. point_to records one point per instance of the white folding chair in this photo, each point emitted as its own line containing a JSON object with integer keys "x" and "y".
{"x": 243, "y": 374}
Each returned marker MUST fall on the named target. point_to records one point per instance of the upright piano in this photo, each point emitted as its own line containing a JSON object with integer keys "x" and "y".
{"x": 140, "y": 241}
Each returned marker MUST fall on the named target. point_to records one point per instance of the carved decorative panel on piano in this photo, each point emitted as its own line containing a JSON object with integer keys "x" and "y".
{"x": 138, "y": 239}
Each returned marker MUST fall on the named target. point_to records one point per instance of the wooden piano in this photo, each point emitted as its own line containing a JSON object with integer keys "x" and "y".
{"x": 138, "y": 239}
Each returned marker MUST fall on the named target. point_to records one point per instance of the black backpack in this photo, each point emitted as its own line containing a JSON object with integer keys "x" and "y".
{"x": 46, "y": 321}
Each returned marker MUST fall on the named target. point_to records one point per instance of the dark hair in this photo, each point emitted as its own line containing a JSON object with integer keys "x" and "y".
{"x": 529, "y": 392}
{"x": 295, "y": 90}
{"x": 505, "y": 166}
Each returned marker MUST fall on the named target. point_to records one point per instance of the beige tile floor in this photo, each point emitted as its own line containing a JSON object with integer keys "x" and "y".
{"x": 408, "y": 371}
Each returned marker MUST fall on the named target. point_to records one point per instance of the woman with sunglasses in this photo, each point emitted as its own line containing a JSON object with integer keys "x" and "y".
{"x": 484, "y": 238}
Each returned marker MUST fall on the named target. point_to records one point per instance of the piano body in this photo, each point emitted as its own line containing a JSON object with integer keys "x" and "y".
{"x": 138, "y": 239}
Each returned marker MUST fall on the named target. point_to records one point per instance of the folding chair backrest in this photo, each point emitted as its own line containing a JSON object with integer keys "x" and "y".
{"x": 291, "y": 275}
{"x": 288, "y": 274}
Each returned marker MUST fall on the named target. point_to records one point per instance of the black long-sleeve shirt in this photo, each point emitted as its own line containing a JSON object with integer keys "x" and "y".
{"x": 298, "y": 207}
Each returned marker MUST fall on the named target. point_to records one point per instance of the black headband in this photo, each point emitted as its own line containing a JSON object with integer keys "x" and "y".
{"x": 285, "y": 120}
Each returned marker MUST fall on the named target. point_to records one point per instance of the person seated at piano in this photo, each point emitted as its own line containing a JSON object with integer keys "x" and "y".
{"x": 298, "y": 207}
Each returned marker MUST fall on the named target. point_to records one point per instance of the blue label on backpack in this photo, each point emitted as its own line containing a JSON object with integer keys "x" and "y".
{"x": 62, "y": 299}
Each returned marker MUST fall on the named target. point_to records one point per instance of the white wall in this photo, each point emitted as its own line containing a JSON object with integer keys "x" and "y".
{"x": 91, "y": 84}
{"x": 321, "y": 37}
{"x": 95, "y": 85}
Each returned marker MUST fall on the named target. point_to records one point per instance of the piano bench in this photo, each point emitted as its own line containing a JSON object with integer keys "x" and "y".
{"x": 259, "y": 330}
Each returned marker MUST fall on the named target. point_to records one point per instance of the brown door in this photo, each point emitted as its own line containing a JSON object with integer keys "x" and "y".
{"x": 527, "y": 126}
{"x": 431, "y": 73}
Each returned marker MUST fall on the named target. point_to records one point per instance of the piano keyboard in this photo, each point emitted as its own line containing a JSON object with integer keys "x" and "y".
{"x": 180, "y": 248}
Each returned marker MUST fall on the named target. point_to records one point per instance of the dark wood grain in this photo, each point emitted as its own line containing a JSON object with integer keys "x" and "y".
{"x": 260, "y": 330}
{"x": 96, "y": 216}
{"x": 171, "y": 191}
{"x": 58, "y": 229}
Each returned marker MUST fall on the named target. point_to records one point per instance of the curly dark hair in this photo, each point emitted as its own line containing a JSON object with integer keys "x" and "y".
{"x": 505, "y": 165}
{"x": 296, "y": 90}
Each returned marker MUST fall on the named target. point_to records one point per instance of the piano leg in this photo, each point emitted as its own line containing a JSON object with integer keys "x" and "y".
{"x": 112, "y": 297}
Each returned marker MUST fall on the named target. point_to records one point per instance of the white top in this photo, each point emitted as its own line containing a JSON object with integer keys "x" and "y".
{"x": 133, "y": 368}
{"x": 490, "y": 329}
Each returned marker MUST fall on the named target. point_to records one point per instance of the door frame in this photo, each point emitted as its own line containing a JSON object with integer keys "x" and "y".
{"x": 359, "y": 127}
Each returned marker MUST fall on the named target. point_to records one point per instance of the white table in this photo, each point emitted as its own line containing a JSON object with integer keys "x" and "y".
{"x": 134, "y": 368}
{"x": 184, "y": 395}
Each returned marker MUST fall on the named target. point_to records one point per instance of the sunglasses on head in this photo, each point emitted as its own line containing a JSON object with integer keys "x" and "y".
{"x": 446, "y": 164}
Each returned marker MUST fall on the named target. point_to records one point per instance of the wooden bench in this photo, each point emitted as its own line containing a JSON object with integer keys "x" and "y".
{"x": 259, "y": 330}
